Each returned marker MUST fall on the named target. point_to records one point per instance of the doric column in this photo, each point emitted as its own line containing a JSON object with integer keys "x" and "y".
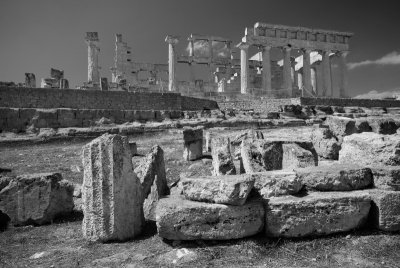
{"x": 342, "y": 73}
{"x": 266, "y": 69}
{"x": 244, "y": 67}
{"x": 307, "y": 70}
{"x": 327, "y": 79}
{"x": 299, "y": 79}
{"x": 314, "y": 83}
{"x": 92, "y": 40}
{"x": 287, "y": 70}
{"x": 172, "y": 41}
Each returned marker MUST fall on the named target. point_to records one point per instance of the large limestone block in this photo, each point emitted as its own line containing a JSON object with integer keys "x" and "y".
{"x": 316, "y": 214}
{"x": 152, "y": 176}
{"x": 295, "y": 156}
{"x": 386, "y": 177}
{"x": 112, "y": 193}
{"x": 260, "y": 155}
{"x": 385, "y": 211}
{"x": 276, "y": 183}
{"x": 222, "y": 159}
{"x": 325, "y": 144}
{"x": 336, "y": 177}
{"x": 193, "y": 143}
{"x": 228, "y": 189}
{"x": 179, "y": 219}
{"x": 36, "y": 198}
{"x": 370, "y": 148}
{"x": 341, "y": 126}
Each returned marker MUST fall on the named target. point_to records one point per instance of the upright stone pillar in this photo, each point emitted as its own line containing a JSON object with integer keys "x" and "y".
{"x": 244, "y": 67}
{"x": 327, "y": 79}
{"x": 266, "y": 70}
{"x": 314, "y": 82}
{"x": 104, "y": 84}
{"x": 343, "y": 73}
{"x": 30, "y": 80}
{"x": 300, "y": 79}
{"x": 307, "y": 70}
{"x": 287, "y": 70}
{"x": 92, "y": 40}
{"x": 172, "y": 41}
{"x": 111, "y": 191}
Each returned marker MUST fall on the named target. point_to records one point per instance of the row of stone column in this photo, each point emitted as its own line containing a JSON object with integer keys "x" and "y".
{"x": 287, "y": 70}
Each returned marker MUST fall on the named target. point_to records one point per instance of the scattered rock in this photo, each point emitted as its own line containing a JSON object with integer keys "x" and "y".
{"x": 385, "y": 211}
{"x": 179, "y": 219}
{"x": 336, "y": 177}
{"x": 151, "y": 173}
{"x": 295, "y": 156}
{"x": 36, "y": 198}
{"x": 369, "y": 148}
{"x": 112, "y": 193}
{"x": 178, "y": 257}
{"x": 276, "y": 183}
{"x": 221, "y": 156}
{"x": 260, "y": 155}
{"x": 316, "y": 214}
{"x": 230, "y": 190}
{"x": 341, "y": 126}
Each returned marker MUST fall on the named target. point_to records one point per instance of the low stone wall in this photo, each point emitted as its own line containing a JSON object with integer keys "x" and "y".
{"x": 94, "y": 99}
{"x": 349, "y": 102}
{"x": 18, "y": 119}
{"x": 260, "y": 106}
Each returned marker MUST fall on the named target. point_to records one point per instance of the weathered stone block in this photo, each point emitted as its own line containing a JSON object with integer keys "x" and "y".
{"x": 230, "y": 190}
{"x": 151, "y": 172}
{"x": 193, "y": 143}
{"x": 335, "y": 177}
{"x": 385, "y": 211}
{"x": 276, "y": 183}
{"x": 370, "y": 148}
{"x": 133, "y": 148}
{"x": 36, "y": 198}
{"x": 341, "y": 126}
{"x": 325, "y": 144}
{"x": 179, "y": 219}
{"x": 112, "y": 193}
{"x": 222, "y": 159}
{"x": 382, "y": 125}
{"x": 295, "y": 156}
{"x": 316, "y": 214}
{"x": 261, "y": 155}
{"x": 386, "y": 177}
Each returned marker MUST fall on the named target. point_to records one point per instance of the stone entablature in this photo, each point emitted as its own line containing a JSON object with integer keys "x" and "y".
{"x": 298, "y": 37}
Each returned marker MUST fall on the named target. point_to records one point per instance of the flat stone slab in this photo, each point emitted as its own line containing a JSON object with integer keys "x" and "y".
{"x": 386, "y": 177}
{"x": 316, "y": 214}
{"x": 370, "y": 148}
{"x": 335, "y": 177}
{"x": 276, "y": 183}
{"x": 179, "y": 219}
{"x": 228, "y": 189}
{"x": 385, "y": 211}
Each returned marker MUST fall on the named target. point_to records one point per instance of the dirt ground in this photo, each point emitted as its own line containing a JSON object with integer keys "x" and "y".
{"x": 61, "y": 244}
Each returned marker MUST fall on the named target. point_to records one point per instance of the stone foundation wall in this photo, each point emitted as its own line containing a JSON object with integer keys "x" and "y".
{"x": 93, "y": 99}
{"x": 260, "y": 106}
{"x": 349, "y": 102}
{"x": 18, "y": 119}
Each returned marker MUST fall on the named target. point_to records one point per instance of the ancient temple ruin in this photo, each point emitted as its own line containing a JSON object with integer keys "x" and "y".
{"x": 295, "y": 71}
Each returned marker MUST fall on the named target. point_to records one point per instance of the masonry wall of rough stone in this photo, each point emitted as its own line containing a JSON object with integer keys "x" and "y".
{"x": 349, "y": 102}
{"x": 93, "y": 99}
{"x": 261, "y": 106}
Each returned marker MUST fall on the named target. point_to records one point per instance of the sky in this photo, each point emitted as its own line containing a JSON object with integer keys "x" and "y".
{"x": 36, "y": 35}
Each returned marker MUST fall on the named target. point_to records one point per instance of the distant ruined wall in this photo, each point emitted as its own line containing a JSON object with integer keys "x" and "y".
{"x": 259, "y": 106}
{"x": 95, "y": 99}
{"x": 349, "y": 102}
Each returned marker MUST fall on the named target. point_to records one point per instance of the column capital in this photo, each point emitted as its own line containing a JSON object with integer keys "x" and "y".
{"x": 243, "y": 45}
{"x": 306, "y": 50}
{"x": 172, "y": 40}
